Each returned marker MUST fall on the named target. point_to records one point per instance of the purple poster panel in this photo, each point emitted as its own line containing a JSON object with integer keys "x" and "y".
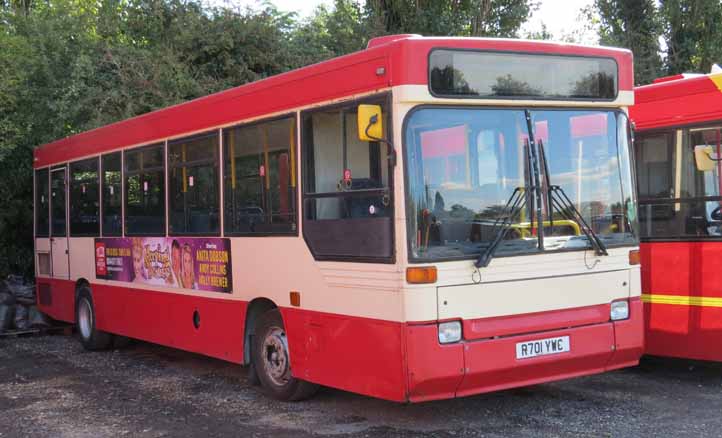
{"x": 197, "y": 263}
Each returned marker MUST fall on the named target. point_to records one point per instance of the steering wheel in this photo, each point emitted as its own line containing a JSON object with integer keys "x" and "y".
{"x": 716, "y": 213}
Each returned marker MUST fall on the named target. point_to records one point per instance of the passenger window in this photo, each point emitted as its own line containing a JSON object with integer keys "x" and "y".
{"x": 84, "y": 199}
{"x": 145, "y": 191}
{"x": 193, "y": 179}
{"x": 112, "y": 196}
{"x": 695, "y": 182}
{"x": 347, "y": 196}
{"x": 42, "y": 203}
{"x": 260, "y": 178}
{"x": 57, "y": 202}
{"x": 655, "y": 165}
{"x": 676, "y": 198}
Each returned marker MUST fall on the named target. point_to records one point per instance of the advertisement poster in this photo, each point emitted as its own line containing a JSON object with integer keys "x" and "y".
{"x": 198, "y": 263}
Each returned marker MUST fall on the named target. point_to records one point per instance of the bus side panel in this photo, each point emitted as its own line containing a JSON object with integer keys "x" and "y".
{"x": 168, "y": 319}
{"x": 682, "y": 290}
{"x": 437, "y": 378}
{"x": 56, "y": 298}
{"x": 355, "y": 354}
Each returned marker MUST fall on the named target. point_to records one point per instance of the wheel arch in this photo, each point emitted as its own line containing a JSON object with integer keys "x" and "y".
{"x": 256, "y": 307}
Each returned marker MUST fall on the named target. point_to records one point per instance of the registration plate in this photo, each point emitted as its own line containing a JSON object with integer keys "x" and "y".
{"x": 542, "y": 347}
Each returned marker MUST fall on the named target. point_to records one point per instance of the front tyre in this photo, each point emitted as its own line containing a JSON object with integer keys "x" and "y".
{"x": 272, "y": 360}
{"x": 91, "y": 338}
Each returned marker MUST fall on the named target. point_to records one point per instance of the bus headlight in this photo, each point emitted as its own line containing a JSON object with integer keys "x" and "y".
{"x": 619, "y": 310}
{"x": 449, "y": 332}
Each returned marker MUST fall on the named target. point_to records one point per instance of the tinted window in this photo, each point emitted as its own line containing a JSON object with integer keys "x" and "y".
{"x": 112, "y": 196}
{"x": 347, "y": 196}
{"x": 144, "y": 191}
{"x": 57, "y": 202}
{"x": 260, "y": 180}
{"x": 676, "y": 199}
{"x": 193, "y": 185}
{"x": 84, "y": 198}
{"x": 493, "y": 74}
{"x": 654, "y": 165}
{"x": 42, "y": 203}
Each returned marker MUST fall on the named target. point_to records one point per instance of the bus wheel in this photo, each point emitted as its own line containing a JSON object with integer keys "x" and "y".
{"x": 272, "y": 361}
{"x": 91, "y": 338}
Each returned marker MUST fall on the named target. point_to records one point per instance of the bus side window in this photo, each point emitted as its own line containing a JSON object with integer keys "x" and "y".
{"x": 193, "y": 185}
{"x": 84, "y": 198}
{"x": 347, "y": 196}
{"x": 144, "y": 191}
{"x": 112, "y": 196}
{"x": 655, "y": 165}
{"x": 260, "y": 178}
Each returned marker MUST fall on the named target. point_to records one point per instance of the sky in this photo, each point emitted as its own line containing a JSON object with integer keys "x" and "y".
{"x": 561, "y": 17}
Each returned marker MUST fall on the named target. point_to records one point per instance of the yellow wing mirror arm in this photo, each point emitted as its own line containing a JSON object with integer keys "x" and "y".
{"x": 370, "y": 128}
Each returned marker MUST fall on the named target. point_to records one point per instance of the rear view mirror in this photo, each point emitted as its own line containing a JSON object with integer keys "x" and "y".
{"x": 704, "y": 158}
{"x": 370, "y": 125}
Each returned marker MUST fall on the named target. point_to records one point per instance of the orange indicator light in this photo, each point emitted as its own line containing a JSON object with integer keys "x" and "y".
{"x": 423, "y": 275}
{"x": 295, "y": 298}
{"x": 634, "y": 257}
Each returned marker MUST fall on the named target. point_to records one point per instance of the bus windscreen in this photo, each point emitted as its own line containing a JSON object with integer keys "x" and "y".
{"x": 496, "y": 75}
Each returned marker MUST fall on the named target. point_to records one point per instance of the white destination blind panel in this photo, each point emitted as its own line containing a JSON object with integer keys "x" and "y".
{"x": 542, "y": 347}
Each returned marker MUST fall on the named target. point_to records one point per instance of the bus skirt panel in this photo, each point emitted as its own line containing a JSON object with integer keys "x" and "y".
{"x": 484, "y": 365}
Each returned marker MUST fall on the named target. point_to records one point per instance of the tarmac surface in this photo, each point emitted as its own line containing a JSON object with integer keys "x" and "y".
{"x": 51, "y": 387}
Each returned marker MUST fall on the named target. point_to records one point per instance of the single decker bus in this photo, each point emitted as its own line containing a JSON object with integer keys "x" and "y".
{"x": 678, "y": 121}
{"x": 424, "y": 219}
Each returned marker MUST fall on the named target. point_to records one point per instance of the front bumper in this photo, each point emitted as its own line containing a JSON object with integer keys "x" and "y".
{"x": 470, "y": 367}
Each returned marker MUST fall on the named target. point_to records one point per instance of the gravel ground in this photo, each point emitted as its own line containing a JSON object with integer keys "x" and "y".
{"x": 51, "y": 387}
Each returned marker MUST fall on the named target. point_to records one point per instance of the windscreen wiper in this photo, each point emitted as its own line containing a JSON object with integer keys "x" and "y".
{"x": 514, "y": 206}
{"x": 518, "y": 200}
{"x": 559, "y": 199}
{"x": 535, "y": 183}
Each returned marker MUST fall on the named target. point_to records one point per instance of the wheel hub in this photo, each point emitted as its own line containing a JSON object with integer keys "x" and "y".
{"x": 85, "y": 318}
{"x": 275, "y": 357}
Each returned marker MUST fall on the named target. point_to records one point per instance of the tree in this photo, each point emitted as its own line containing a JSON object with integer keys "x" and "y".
{"x": 633, "y": 24}
{"x": 499, "y": 18}
{"x": 692, "y": 33}
{"x": 71, "y": 65}
{"x": 68, "y": 66}
{"x": 331, "y": 32}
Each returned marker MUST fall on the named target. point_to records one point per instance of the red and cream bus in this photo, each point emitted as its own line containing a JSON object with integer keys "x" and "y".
{"x": 678, "y": 121}
{"x": 427, "y": 218}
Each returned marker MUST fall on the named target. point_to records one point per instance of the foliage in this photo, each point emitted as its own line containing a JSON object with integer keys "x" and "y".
{"x": 692, "y": 34}
{"x": 688, "y": 29}
{"x": 71, "y": 65}
{"x": 633, "y": 24}
{"x": 500, "y": 18}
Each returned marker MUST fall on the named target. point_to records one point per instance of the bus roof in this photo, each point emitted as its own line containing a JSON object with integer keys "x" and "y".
{"x": 389, "y": 61}
{"x": 678, "y": 100}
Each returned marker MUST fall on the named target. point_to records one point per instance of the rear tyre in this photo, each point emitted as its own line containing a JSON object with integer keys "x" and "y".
{"x": 91, "y": 338}
{"x": 272, "y": 362}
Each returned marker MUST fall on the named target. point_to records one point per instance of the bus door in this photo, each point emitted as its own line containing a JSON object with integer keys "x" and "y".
{"x": 42, "y": 223}
{"x": 60, "y": 265}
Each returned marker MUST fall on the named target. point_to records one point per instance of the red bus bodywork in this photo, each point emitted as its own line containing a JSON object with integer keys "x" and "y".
{"x": 396, "y": 360}
{"x": 681, "y": 277}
